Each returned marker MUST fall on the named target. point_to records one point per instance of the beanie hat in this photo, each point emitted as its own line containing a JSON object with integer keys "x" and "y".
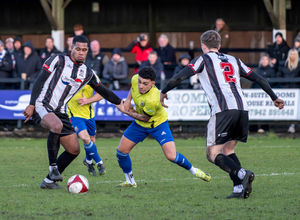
{"x": 116, "y": 51}
{"x": 279, "y": 34}
{"x": 184, "y": 56}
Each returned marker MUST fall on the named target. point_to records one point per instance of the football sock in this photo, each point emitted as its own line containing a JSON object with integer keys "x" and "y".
{"x": 236, "y": 181}
{"x": 53, "y": 144}
{"x": 91, "y": 152}
{"x": 182, "y": 161}
{"x": 129, "y": 178}
{"x": 89, "y": 161}
{"x": 124, "y": 161}
{"x": 227, "y": 164}
{"x": 64, "y": 160}
{"x": 192, "y": 170}
{"x": 51, "y": 167}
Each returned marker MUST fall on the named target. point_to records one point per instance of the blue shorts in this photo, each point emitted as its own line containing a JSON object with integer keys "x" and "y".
{"x": 162, "y": 133}
{"x": 81, "y": 124}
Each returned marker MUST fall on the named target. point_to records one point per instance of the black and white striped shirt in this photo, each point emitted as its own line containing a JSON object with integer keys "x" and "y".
{"x": 66, "y": 78}
{"x": 219, "y": 75}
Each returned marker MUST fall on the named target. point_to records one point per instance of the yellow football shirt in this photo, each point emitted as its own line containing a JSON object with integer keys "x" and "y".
{"x": 148, "y": 103}
{"x": 74, "y": 109}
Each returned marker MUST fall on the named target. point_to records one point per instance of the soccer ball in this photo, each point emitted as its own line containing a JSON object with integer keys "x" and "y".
{"x": 78, "y": 184}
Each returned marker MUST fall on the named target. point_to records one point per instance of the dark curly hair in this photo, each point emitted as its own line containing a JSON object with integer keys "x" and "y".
{"x": 147, "y": 72}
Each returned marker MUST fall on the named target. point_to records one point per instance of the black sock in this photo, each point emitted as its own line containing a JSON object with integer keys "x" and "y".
{"x": 227, "y": 164}
{"x": 64, "y": 160}
{"x": 53, "y": 144}
{"x": 236, "y": 181}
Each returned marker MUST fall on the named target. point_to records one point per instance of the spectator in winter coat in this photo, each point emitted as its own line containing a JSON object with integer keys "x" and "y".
{"x": 222, "y": 28}
{"x": 116, "y": 69}
{"x": 49, "y": 49}
{"x": 18, "y": 50}
{"x": 167, "y": 55}
{"x": 141, "y": 48}
{"x": 96, "y": 59}
{"x": 154, "y": 62}
{"x": 5, "y": 65}
{"x": 184, "y": 60}
{"x": 291, "y": 69}
{"x": 278, "y": 51}
{"x": 29, "y": 65}
{"x": 297, "y": 44}
{"x": 266, "y": 70}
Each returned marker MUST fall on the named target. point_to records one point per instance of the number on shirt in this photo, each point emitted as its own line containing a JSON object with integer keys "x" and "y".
{"x": 228, "y": 72}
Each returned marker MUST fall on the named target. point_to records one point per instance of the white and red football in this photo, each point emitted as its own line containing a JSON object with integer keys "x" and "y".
{"x": 78, "y": 184}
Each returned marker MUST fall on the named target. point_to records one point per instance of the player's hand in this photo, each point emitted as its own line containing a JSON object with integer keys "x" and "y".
{"x": 127, "y": 105}
{"x": 279, "y": 103}
{"x": 83, "y": 101}
{"x": 28, "y": 112}
{"x": 121, "y": 107}
{"x": 162, "y": 97}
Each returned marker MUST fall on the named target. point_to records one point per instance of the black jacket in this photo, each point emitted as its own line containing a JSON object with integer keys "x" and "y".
{"x": 97, "y": 63}
{"x": 280, "y": 52}
{"x": 6, "y": 66}
{"x": 31, "y": 66}
{"x": 45, "y": 54}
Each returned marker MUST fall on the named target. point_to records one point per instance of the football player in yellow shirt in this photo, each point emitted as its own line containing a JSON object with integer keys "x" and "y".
{"x": 150, "y": 119}
{"x": 82, "y": 116}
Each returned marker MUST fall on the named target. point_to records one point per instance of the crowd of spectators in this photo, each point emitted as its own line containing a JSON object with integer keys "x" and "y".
{"x": 22, "y": 61}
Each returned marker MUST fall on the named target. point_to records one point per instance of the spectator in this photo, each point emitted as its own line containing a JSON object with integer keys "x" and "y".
{"x": 18, "y": 47}
{"x": 167, "y": 55}
{"x": 96, "y": 59}
{"x": 68, "y": 49}
{"x": 290, "y": 69}
{"x": 9, "y": 44}
{"x": 265, "y": 69}
{"x": 154, "y": 62}
{"x": 184, "y": 60}
{"x": 222, "y": 28}
{"x": 49, "y": 50}
{"x": 278, "y": 51}
{"x": 5, "y": 65}
{"x": 116, "y": 70}
{"x": 29, "y": 65}
{"x": 141, "y": 48}
{"x": 78, "y": 30}
{"x": 297, "y": 44}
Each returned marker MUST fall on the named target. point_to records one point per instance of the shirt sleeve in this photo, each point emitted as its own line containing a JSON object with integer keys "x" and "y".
{"x": 149, "y": 109}
{"x": 51, "y": 63}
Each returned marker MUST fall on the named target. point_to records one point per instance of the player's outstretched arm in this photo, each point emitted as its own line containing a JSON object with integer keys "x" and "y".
{"x": 266, "y": 87}
{"x": 185, "y": 73}
{"x": 127, "y": 103}
{"x": 95, "y": 98}
{"x": 141, "y": 117}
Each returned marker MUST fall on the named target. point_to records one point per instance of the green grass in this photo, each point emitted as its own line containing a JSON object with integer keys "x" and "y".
{"x": 165, "y": 191}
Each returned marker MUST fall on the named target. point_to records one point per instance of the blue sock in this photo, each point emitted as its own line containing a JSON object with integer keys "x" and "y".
{"x": 91, "y": 152}
{"x": 124, "y": 161}
{"x": 182, "y": 161}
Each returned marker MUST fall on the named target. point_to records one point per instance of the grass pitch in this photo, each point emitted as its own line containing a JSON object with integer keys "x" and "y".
{"x": 165, "y": 191}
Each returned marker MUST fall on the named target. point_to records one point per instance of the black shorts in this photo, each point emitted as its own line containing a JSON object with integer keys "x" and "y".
{"x": 227, "y": 126}
{"x": 67, "y": 125}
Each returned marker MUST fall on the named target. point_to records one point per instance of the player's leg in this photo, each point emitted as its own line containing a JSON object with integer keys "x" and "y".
{"x": 124, "y": 160}
{"x": 172, "y": 155}
{"x": 132, "y": 135}
{"x": 51, "y": 122}
{"x": 92, "y": 130}
{"x": 164, "y": 137}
